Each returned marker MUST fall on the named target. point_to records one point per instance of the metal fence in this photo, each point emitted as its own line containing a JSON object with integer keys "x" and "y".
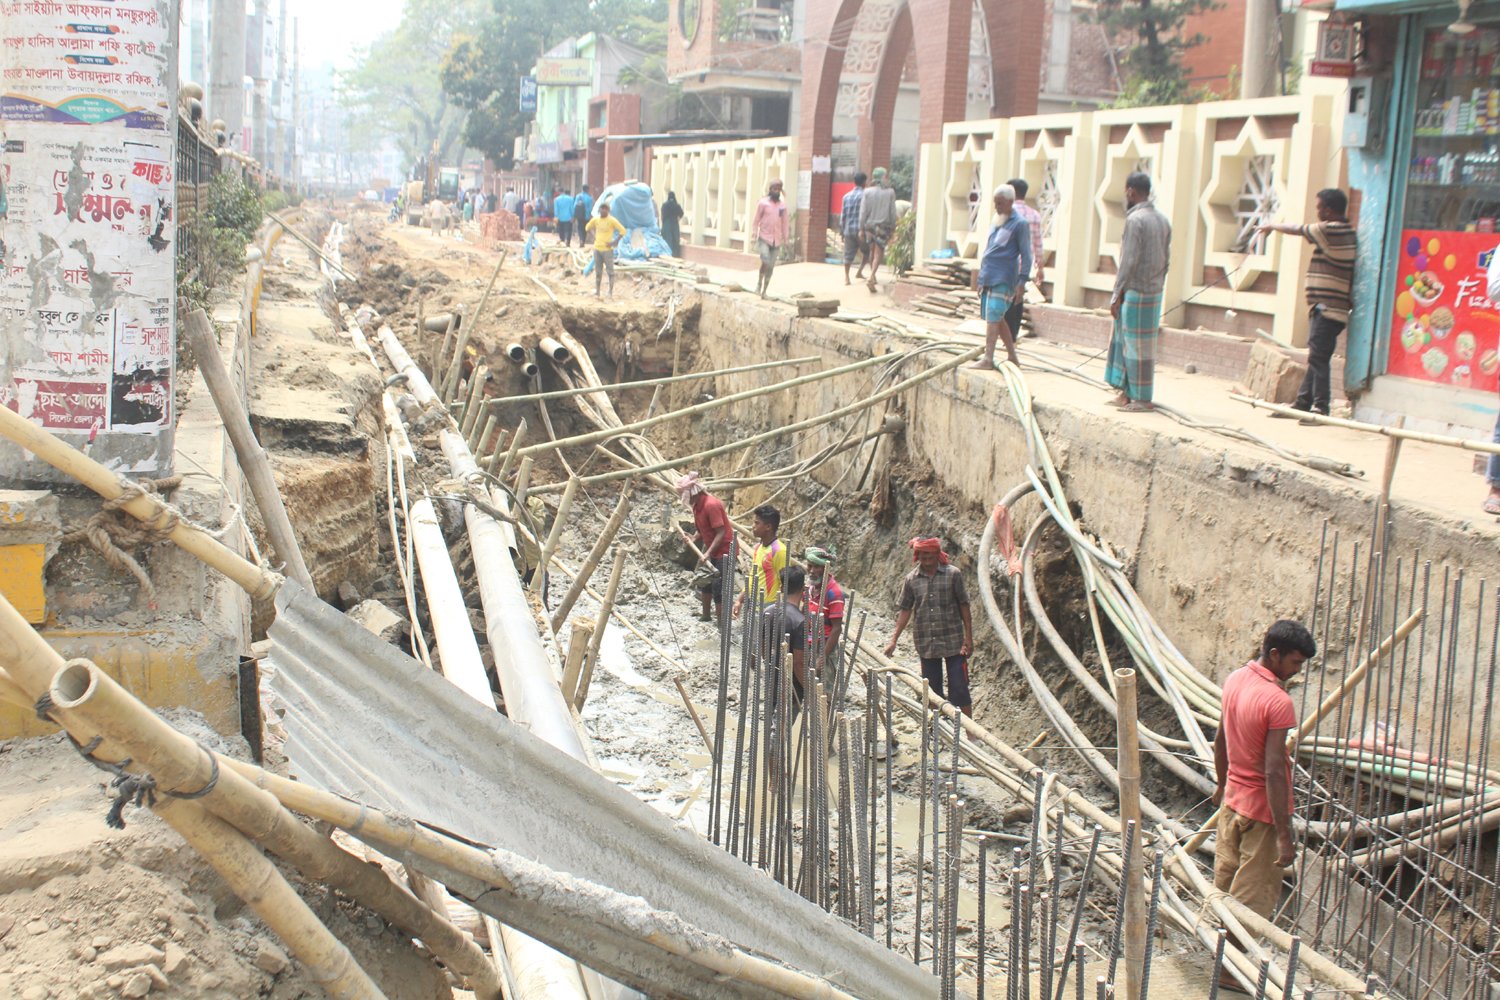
{"x": 197, "y": 166}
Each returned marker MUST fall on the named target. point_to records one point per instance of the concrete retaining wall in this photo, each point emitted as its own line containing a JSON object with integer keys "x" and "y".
{"x": 1221, "y": 537}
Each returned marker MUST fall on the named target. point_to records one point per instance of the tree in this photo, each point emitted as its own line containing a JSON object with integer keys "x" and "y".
{"x": 481, "y": 71}
{"x": 1153, "y": 64}
{"x": 394, "y": 92}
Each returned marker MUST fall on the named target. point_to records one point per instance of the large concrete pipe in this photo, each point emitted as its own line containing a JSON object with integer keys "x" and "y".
{"x": 557, "y": 352}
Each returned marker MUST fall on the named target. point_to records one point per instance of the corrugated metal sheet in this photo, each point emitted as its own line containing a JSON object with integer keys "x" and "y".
{"x": 365, "y": 721}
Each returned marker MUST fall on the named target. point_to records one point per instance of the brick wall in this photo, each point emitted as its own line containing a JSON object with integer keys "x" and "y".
{"x": 1222, "y": 50}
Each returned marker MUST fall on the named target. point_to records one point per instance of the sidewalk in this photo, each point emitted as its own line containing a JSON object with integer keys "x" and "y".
{"x": 1432, "y": 479}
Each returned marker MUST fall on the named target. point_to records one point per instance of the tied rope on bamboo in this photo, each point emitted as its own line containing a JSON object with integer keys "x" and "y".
{"x": 115, "y": 535}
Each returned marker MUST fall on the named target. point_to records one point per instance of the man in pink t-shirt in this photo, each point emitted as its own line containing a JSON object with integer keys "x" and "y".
{"x": 1255, "y": 774}
{"x": 770, "y": 227}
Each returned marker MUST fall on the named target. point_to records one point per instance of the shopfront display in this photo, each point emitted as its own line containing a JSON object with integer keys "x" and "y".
{"x": 1444, "y": 327}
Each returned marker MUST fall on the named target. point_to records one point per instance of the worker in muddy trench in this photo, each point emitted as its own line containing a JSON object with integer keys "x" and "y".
{"x": 768, "y": 561}
{"x": 825, "y": 595}
{"x": 786, "y": 624}
{"x": 715, "y": 543}
{"x": 935, "y": 603}
{"x": 1254, "y": 769}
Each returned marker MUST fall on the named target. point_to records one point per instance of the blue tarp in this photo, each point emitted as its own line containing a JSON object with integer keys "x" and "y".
{"x": 634, "y": 206}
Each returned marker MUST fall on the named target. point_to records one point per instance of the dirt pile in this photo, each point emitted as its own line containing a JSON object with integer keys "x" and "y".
{"x": 91, "y": 912}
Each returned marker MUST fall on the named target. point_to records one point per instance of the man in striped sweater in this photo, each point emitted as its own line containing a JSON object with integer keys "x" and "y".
{"x": 1330, "y": 274}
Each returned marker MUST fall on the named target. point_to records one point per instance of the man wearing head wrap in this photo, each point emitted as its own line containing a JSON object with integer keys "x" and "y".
{"x": 715, "y": 537}
{"x": 933, "y": 599}
{"x": 826, "y": 595}
{"x": 877, "y": 219}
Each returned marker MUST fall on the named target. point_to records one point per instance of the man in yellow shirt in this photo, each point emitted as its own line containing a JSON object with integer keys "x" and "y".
{"x": 607, "y": 232}
{"x": 768, "y": 561}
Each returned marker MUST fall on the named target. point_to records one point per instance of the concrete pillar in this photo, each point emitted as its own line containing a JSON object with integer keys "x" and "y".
{"x": 294, "y": 132}
{"x": 1260, "y": 67}
{"x": 278, "y": 98}
{"x": 88, "y": 294}
{"x": 226, "y": 98}
{"x": 256, "y": 66}
{"x": 1060, "y": 47}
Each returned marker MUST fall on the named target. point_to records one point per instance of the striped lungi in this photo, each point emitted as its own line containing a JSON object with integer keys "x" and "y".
{"x": 1131, "y": 367}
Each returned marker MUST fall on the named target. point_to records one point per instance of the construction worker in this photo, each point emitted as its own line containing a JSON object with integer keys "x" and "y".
{"x": 826, "y": 595}
{"x": 715, "y": 540}
{"x": 769, "y": 559}
{"x": 933, "y": 599}
{"x": 1254, "y": 770}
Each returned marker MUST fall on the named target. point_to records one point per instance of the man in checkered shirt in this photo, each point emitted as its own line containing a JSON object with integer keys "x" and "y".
{"x": 936, "y": 603}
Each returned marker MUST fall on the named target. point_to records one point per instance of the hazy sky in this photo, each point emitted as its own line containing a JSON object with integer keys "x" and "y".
{"x": 332, "y": 30}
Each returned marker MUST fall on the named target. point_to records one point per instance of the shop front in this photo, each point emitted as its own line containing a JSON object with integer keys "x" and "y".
{"x": 1424, "y": 162}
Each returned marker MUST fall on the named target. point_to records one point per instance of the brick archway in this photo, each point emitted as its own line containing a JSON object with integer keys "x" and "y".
{"x": 942, "y": 60}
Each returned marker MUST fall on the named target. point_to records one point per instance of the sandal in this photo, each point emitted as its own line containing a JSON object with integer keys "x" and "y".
{"x": 1492, "y": 506}
{"x": 1136, "y": 406}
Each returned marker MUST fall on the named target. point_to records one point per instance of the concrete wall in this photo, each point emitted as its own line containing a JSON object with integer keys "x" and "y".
{"x": 1221, "y": 538}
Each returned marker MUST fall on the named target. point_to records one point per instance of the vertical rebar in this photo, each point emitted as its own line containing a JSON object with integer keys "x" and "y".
{"x": 1151, "y": 916}
{"x": 1289, "y": 984}
{"x": 1117, "y": 937}
{"x": 890, "y": 826}
{"x": 937, "y": 801}
{"x": 981, "y": 942}
{"x": 859, "y": 867}
{"x": 1265, "y": 977}
{"x": 1080, "y": 959}
{"x": 1083, "y": 895}
{"x": 921, "y": 824}
{"x": 1024, "y": 972}
{"x": 1213, "y": 981}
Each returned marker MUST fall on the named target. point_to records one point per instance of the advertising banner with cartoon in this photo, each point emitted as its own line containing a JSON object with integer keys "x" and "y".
{"x": 1445, "y": 329}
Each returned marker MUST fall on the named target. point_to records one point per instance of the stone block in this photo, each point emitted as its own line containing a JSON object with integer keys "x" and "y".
{"x": 1273, "y": 375}
{"x": 30, "y": 531}
{"x": 380, "y": 620}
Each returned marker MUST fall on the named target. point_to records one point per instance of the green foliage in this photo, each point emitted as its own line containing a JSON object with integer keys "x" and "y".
{"x": 212, "y": 241}
{"x": 234, "y": 206}
{"x": 395, "y": 93}
{"x": 902, "y": 249}
{"x": 1153, "y": 61}
{"x": 903, "y": 175}
{"x": 481, "y": 70}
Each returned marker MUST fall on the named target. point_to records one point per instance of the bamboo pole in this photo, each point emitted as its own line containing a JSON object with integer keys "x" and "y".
{"x": 578, "y": 647}
{"x": 472, "y": 403}
{"x": 91, "y": 704}
{"x": 1465, "y": 444}
{"x": 257, "y": 582}
{"x": 1329, "y": 704}
{"x": 554, "y": 537}
{"x": 449, "y": 384}
{"x": 287, "y": 228}
{"x": 510, "y": 455}
{"x": 585, "y": 571}
{"x": 843, "y": 411}
{"x": 255, "y": 879}
{"x": 699, "y": 408}
{"x": 687, "y": 702}
{"x": 649, "y": 382}
{"x": 591, "y": 660}
{"x": 253, "y": 460}
{"x": 1129, "y": 756}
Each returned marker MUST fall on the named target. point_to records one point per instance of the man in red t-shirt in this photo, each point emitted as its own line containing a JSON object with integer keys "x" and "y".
{"x": 1255, "y": 773}
{"x": 715, "y": 538}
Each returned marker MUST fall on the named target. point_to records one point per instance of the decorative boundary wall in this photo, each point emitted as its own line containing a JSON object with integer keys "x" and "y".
{"x": 719, "y": 184}
{"x": 1217, "y": 169}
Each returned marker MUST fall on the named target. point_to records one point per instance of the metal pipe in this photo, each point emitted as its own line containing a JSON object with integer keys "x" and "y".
{"x": 552, "y": 349}
{"x": 458, "y": 651}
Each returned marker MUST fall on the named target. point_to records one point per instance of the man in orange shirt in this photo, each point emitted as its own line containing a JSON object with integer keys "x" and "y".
{"x": 1255, "y": 772}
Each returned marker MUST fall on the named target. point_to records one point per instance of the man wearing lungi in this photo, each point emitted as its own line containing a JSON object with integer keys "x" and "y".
{"x": 1145, "y": 251}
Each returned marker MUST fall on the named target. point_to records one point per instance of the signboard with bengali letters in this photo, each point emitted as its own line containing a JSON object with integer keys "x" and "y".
{"x": 551, "y": 72}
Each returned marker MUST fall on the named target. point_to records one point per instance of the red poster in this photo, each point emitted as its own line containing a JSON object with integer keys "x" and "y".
{"x": 1444, "y": 327}
{"x": 57, "y": 405}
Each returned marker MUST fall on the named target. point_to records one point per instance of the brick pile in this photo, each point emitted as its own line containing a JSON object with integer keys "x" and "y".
{"x": 499, "y": 226}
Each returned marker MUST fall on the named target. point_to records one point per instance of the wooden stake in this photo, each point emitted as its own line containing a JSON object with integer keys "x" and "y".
{"x": 578, "y": 647}
{"x": 581, "y": 578}
{"x": 615, "y": 572}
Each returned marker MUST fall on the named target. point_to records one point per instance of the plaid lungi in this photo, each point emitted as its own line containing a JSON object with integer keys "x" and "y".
{"x": 1131, "y": 367}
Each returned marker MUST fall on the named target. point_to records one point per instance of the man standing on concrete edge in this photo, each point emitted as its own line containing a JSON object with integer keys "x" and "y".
{"x": 877, "y": 220}
{"x": 715, "y": 538}
{"x": 1001, "y": 278}
{"x": 934, "y": 600}
{"x": 1254, "y": 770}
{"x": 1330, "y": 275}
{"x": 849, "y": 226}
{"x": 770, "y": 226}
{"x": 607, "y": 232}
{"x": 1145, "y": 252}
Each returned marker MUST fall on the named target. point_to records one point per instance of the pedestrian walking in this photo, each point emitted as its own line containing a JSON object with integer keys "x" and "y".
{"x": 671, "y": 223}
{"x": 877, "y": 219}
{"x": 935, "y": 602}
{"x": 583, "y": 207}
{"x": 769, "y": 558}
{"x": 715, "y": 541}
{"x": 1001, "y": 278}
{"x": 1145, "y": 252}
{"x": 607, "y": 233}
{"x": 826, "y": 595}
{"x": 1330, "y": 277}
{"x": 1033, "y": 218}
{"x": 770, "y": 227}
{"x": 1254, "y": 770}
{"x": 849, "y": 226}
{"x": 562, "y": 211}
